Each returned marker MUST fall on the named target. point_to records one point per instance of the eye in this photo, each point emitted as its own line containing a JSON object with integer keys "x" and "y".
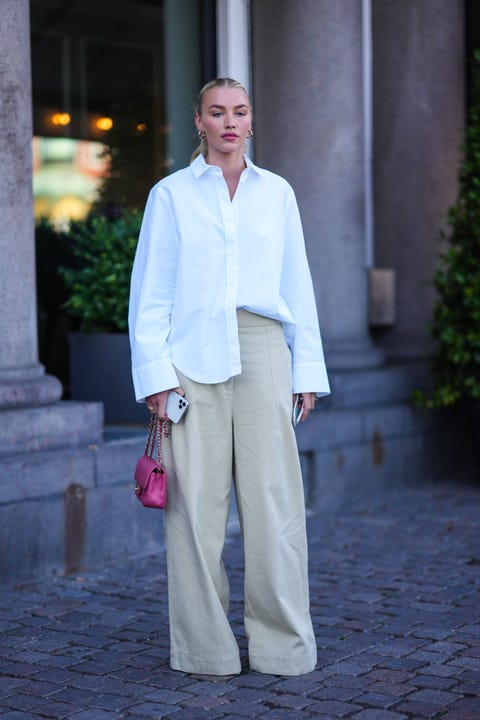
{"x": 217, "y": 113}
{"x": 242, "y": 113}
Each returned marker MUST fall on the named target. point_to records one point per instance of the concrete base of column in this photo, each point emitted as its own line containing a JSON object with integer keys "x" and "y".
{"x": 28, "y": 386}
{"x": 350, "y": 454}
{"x": 70, "y": 509}
{"x": 393, "y": 383}
{"x": 65, "y": 424}
{"x": 352, "y": 354}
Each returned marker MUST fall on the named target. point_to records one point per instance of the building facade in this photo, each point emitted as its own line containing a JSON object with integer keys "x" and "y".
{"x": 360, "y": 104}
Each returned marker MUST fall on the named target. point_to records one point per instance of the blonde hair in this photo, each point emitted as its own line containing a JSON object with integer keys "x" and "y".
{"x": 202, "y": 149}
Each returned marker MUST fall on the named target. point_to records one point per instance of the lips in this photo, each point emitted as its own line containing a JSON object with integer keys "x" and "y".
{"x": 229, "y": 136}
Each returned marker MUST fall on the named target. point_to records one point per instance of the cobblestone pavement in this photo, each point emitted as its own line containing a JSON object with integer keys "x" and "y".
{"x": 396, "y": 606}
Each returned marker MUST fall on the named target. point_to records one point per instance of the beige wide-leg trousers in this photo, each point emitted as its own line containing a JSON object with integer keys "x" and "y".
{"x": 241, "y": 427}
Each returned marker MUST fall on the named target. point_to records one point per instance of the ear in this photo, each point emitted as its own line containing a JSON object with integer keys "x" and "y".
{"x": 198, "y": 122}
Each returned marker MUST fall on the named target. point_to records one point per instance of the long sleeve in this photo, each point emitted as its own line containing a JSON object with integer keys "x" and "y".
{"x": 309, "y": 373}
{"x": 152, "y": 296}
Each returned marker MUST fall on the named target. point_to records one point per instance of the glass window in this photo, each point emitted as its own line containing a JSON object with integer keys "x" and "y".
{"x": 118, "y": 79}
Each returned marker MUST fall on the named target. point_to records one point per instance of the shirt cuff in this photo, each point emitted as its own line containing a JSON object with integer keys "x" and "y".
{"x": 310, "y": 377}
{"x": 154, "y": 378}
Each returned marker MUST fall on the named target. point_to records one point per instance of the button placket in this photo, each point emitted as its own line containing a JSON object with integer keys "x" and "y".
{"x": 229, "y": 210}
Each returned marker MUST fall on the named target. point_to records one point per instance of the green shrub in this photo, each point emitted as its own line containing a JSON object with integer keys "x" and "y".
{"x": 456, "y": 313}
{"x": 99, "y": 287}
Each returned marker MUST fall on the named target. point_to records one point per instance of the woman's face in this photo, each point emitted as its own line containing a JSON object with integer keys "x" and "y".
{"x": 225, "y": 119}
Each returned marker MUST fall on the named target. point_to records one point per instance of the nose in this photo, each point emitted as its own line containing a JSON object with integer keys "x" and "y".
{"x": 229, "y": 120}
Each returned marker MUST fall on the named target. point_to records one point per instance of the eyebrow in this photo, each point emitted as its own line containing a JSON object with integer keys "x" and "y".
{"x": 222, "y": 107}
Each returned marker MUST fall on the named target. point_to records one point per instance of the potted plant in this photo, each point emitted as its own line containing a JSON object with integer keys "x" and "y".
{"x": 98, "y": 300}
{"x": 456, "y": 312}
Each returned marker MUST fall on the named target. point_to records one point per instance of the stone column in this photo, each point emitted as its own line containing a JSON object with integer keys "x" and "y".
{"x": 308, "y": 107}
{"x": 22, "y": 378}
{"x": 419, "y": 74}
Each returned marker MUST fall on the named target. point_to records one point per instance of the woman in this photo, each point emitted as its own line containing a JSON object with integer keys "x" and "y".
{"x": 222, "y": 310}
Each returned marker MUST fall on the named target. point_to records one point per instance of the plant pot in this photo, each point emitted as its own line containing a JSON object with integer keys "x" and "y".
{"x": 100, "y": 370}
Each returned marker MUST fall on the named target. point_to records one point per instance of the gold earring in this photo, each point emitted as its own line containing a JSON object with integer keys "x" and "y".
{"x": 250, "y": 134}
{"x": 202, "y": 134}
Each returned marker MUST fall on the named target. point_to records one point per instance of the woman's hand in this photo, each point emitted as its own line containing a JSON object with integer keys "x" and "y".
{"x": 307, "y": 401}
{"x": 156, "y": 403}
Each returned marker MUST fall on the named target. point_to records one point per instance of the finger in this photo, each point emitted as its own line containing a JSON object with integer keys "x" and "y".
{"x": 308, "y": 400}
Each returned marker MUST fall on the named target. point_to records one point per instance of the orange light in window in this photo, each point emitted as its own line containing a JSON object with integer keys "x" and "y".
{"x": 61, "y": 119}
{"x": 141, "y": 127}
{"x": 104, "y": 123}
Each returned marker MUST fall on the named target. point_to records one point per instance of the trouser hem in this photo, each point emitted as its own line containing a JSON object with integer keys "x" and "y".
{"x": 187, "y": 663}
{"x": 271, "y": 666}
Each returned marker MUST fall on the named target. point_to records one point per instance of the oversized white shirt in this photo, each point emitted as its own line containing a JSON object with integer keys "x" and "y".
{"x": 200, "y": 257}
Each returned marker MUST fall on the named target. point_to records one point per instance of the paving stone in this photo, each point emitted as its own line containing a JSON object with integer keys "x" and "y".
{"x": 426, "y": 656}
{"x": 345, "y": 681}
{"x": 143, "y": 710}
{"x": 94, "y": 715}
{"x": 18, "y": 701}
{"x": 204, "y": 687}
{"x": 399, "y": 647}
{"x": 7, "y": 683}
{"x": 437, "y": 683}
{"x": 195, "y": 714}
{"x": 334, "y": 693}
{"x": 256, "y": 680}
{"x": 398, "y": 633}
{"x": 434, "y": 697}
{"x": 432, "y": 633}
{"x": 416, "y": 709}
{"x": 249, "y": 695}
{"x": 166, "y": 696}
{"x": 20, "y": 670}
{"x": 54, "y": 710}
{"x": 377, "y": 700}
{"x": 349, "y": 668}
{"x": 284, "y": 714}
{"x": 468, "y": 705}
{"x": 450, "y": 648}
{"x": 460, "y": 715}
{"x": 406, "y": 663}
{"x": 115, "y": 703}
{"x": 240, "y": 707}
{"x": 205, "y": 702}
{"x": 55, "y": 675}
{"x": 73, "y": 695}
{"x": 472, "y": 690}
{"x": 296, "y": 702}
{"x": 471, "y": 663}
{"x": 97, "y": 667}
{"x": 333, "y": 707}
{"x": 397, "y": 690}
{"x": 378, "y": 715}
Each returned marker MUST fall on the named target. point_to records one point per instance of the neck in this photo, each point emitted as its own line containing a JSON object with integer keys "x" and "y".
{"x": 230, "y": 163}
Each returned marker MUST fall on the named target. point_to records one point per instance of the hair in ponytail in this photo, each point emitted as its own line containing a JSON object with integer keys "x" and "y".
{"x": 202, "y": 149}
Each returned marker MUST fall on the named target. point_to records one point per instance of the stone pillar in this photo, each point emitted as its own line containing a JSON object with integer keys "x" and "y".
{"x": 22, "y": 378}
{"x": 308, "y": 107}
{"x": 419, "y": 115}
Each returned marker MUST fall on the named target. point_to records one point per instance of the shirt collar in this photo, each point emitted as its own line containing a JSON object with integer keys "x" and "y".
{"x": 199, "y": 166}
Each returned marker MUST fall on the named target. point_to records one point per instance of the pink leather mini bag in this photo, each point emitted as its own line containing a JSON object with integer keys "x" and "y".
{"x": 150, "y": 475}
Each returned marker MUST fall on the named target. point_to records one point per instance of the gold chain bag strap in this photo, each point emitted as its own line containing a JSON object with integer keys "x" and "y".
{"x": 150, "y": 475}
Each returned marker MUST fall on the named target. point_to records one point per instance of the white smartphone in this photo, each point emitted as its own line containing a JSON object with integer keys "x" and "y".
{"x": 297, "y": 410}
{"x": 176, "y": 406}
